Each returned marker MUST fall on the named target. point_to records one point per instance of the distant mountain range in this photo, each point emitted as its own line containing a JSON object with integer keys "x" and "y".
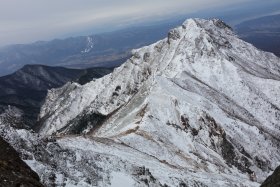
{"x": 26, "y": 88}
{"x": 101, "y": 50}
{"x": 262, "y": 32}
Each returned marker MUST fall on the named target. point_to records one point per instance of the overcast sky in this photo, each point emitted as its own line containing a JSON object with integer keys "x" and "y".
{"x": 24, "y": 21}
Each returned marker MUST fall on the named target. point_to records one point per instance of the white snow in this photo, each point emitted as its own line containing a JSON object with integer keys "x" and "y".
{"x": 90, "y": 45}
{"x": 121, "y": 180}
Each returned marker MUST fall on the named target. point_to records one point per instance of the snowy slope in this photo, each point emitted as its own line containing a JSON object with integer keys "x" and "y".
{"x": 86, "y": 161}
{"x": 199, "y": 108}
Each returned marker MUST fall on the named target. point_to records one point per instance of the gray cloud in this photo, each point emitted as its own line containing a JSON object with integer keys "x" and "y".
{"x": 30, "y": 20}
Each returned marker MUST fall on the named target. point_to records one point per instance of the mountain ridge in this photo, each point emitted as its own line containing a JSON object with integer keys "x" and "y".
{"x": 27, "y": 88}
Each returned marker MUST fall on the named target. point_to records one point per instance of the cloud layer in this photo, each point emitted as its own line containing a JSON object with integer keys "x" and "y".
{"x": 30, "y": 20}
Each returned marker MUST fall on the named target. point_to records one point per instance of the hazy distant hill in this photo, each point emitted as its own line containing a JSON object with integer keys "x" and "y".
{"x": 263, "y": 32}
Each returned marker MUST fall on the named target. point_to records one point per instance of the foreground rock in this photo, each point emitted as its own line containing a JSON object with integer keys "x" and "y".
{"x": 273, "y": 180}
{"x": 13, "y": 171}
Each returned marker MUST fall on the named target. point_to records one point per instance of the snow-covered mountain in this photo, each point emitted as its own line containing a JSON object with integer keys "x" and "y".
{"x": 199, "y": 108}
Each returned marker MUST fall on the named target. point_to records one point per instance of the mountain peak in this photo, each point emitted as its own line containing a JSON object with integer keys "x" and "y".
{"x": 199, "y": 48}
{"x": 195, "y": 100}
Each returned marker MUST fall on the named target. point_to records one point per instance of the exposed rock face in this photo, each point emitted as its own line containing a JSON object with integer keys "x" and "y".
{"x": 173, "y": 35}
{"x": 202, "y": 109}
{"x": 13, "y": 171}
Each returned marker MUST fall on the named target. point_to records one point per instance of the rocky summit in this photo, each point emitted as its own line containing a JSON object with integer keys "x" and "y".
{"x": 198, "y": 108}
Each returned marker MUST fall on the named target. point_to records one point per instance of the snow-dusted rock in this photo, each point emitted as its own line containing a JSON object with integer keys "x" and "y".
{"x": 199, "y": 108}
